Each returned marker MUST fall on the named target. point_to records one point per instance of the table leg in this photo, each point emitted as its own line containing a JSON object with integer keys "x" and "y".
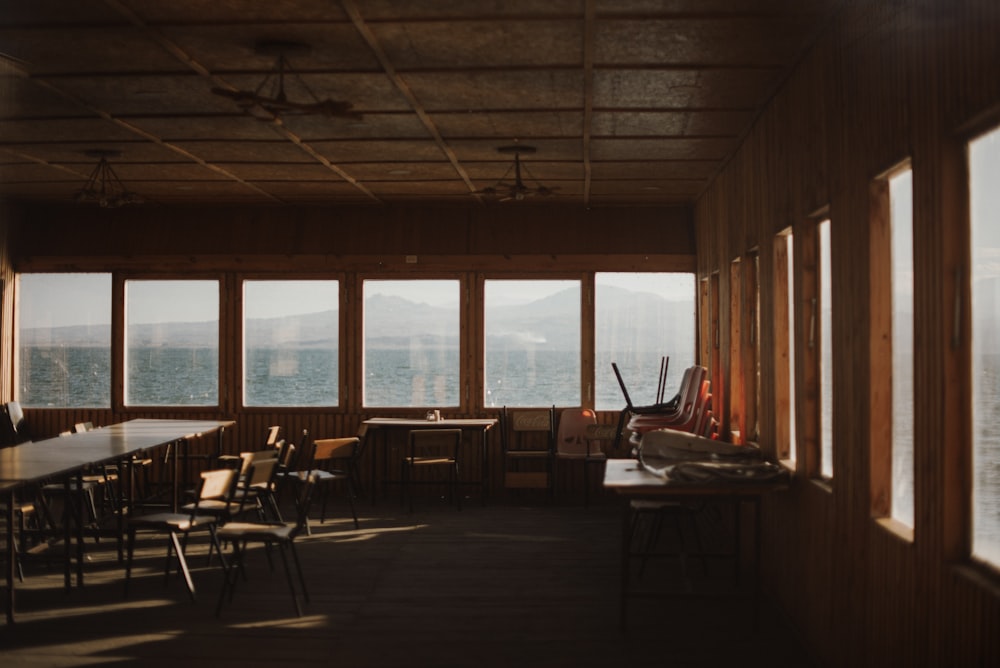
{"x": 11, "y": 558}
{"x": 67, "y": 535}
{"x": 80, "y": 513}
{"x": 625, "y": 566}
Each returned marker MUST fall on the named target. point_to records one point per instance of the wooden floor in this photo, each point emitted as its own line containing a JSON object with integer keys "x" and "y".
{"x": 507, "y": 584}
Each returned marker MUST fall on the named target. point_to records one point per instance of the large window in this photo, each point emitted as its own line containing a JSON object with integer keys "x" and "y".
{"x": 172, "y": 343}
{"x": 984, "y": 166}
{"x": 532, "y": 343}
{"x": 412, "y": 343}
{"x": 290, "y": 343}
{"x": 640, "y": 319}
{"x": 64, "y": 340}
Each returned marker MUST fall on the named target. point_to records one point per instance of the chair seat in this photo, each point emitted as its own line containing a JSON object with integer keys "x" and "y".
{"x": 171, "y": 521}
{"x": 256, "y": 531}
{"x": 417, "y": 461}
{"x": 527, "y": 454}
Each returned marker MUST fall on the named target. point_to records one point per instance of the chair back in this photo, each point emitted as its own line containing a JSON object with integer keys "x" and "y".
{"x": 272, "y": 437}
{"x": 572, "y": 440}
{"x": 328, "y": 449}
{"x": 81, "y": 427}
{"x": 517, "y": 423}
{"x": 13, "y": 429}
{"x": 216, "y": 485}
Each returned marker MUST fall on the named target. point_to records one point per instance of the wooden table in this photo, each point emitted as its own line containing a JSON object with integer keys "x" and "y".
{"x": 628, "y": 480}
{"x": 388, "y": 424}
{"x": 66, "y": 456}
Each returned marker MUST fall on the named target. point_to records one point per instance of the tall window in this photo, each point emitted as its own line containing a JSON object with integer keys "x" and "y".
{"x": 64, "y": 340}
{"x": 735, "y": 381}
{"x": 825, "y": 313}
{"x": 411, "y": 343}
{"x": 891, "y": 346}
{"x": 984, "y": 166}
{"x": 172, "y": 343}
{"x": 639, "y": 320}
{"x": 290, "y": 343}
{"x": 532, "y": 343}
{"x": 752, "y": 362}
{"x": 901, "y": 196}
{"x": 784, "y": 345}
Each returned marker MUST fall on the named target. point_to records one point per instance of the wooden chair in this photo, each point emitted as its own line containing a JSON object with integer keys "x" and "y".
{"x": 216, "y": 486}
{"x": 280, "y": 534}
{"x": 430, "y": 448}
{"x": 528, "y": 437}
{"x": 335, "y": 461}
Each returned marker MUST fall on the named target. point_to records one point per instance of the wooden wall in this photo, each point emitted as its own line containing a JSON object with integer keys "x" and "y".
{"x": 888, "y": 81}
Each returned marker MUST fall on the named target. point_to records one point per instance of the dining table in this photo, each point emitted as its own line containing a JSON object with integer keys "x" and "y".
{"x": 388, "y": 425}
{"x": 67, "y": 457}
{"x": 630, "y": 480}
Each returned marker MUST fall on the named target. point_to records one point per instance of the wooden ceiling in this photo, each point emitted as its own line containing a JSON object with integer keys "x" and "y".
{"x": 624, "y": 101}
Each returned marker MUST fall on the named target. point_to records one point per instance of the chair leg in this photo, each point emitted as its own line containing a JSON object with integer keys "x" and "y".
{"x": 130, "y": 547}
{"x": 350, "y": 499}
{"x": 182, "y": 562}
{"x": 291, "y": 581}
{"x": 298, "y": 567}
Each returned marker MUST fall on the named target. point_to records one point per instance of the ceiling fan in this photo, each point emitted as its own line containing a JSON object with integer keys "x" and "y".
{"x": 517, "y": 189}
{"x": 270, "y": 99}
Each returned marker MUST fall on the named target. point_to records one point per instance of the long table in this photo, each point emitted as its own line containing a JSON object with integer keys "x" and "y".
{"x": 629, "y": 480}
{"x": 66, "y": 457}
{"x": 389, "y": 424}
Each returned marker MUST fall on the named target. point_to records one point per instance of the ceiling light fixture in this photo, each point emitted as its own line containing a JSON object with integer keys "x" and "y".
{"x": 515, "y": 190}
{"x": 103, "y": 186}
{"x": 270, "y": 99}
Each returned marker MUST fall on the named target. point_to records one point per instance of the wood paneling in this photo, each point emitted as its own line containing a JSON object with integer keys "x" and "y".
{"x": 887, "y": 82}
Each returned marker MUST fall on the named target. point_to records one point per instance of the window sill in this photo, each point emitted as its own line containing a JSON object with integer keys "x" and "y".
{"x": 823, "y": 484}
{"x": 896, "y": 528}
{"x": 979, "y": 575}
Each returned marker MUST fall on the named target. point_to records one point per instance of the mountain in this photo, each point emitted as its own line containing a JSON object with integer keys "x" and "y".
{"x": 551, "y": 323}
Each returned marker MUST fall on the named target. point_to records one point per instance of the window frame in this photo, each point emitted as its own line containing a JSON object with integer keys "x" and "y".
{"x": 119, "y": 368}
{"x": 785, "y": 347}
{"x": 240, "y": 336}
{"x": 882, "y": 304}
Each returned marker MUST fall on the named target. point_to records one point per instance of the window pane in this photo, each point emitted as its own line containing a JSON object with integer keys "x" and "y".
{"x": 172, "y": 343}
{"x": 639, "y": 319}
{"x": 792, "y": 407}
{"x": 411, "y": 353}
{"x": 290, "y": 343}
{"x": 984, "y": 169}
{"x": 901, "y": 206}
{"x": 64, "y": 340}
{"x": 826, "y": 350}
{"x": 532, "y": 343}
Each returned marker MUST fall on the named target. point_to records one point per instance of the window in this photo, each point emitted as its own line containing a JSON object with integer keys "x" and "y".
{"x": 735, "y": 381}
{"x": 639, "y": 320}
{"x": 411, "y": 343}
{"x": 64, "y": 340}
{"x": 826, "y": 349}
{"x": 172, "y": 343}
{"x": 290, "y": 343}
{"x": 891, "y": 310}
{"x": 784, "y": 345}
{"x": 752, "y": 356}
{"x": 532, "y": 343}
{"x": 984, "y": 166}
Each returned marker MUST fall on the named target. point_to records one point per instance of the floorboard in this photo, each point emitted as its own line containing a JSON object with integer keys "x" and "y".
{"x": 506, "y": 584}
